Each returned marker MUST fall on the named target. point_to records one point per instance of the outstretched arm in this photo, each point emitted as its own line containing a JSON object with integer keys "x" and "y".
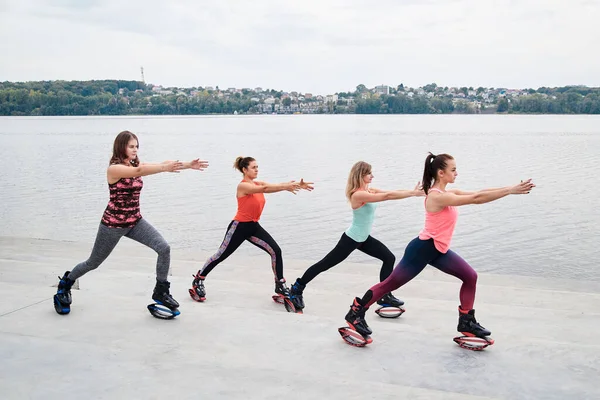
{"x": 441, "y": 200}
{"x": 466, "y": 192}
{"x": 116, "y": 172}
{"x": 246, "y": 188}
{"x": 197, "y": 164}
{"x": 377, "y": 195}
{"x": 154, "y": 163}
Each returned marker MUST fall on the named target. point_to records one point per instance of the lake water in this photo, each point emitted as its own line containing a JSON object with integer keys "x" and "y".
{"x": 54, "y": 186}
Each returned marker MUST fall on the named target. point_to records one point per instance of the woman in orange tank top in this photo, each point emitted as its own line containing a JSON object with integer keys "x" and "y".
{"x": 432, "y": 246}
{"x": 245, "y": 226}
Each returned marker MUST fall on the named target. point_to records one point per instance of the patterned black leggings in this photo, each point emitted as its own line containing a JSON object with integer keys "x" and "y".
{"x": 237, "y": 233}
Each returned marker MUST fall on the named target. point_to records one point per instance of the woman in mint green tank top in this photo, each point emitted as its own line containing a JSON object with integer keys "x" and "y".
{"x": 363, "y": 201}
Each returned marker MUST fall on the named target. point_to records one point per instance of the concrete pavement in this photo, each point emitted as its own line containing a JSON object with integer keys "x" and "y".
{"x": 239, "y": 344}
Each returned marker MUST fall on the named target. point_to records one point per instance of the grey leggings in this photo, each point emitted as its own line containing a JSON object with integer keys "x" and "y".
{"x": 107, "y": 238}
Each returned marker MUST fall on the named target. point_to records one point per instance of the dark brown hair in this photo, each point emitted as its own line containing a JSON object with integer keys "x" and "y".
{"x": 242, "y": 162}
{"x": 433, "y": 164}
{"x": 120, "y": 149}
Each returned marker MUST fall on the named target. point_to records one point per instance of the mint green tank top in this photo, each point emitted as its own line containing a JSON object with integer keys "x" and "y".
{"x": 362, "y": 221}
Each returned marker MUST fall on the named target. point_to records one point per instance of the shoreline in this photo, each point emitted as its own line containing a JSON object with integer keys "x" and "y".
{"x": 140, "y": 116}
{"x": 297, "y": 266}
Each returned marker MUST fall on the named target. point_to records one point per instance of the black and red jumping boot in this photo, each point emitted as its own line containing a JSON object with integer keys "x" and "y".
{"x": 358, "y": 332}
{"x": 476, "y": 337}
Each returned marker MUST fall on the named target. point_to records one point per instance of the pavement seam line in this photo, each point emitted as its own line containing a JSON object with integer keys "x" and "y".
{"x": 22, "y": 308}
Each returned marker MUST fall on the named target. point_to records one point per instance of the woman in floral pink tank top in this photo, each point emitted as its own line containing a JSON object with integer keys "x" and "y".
{"x": 122, "y": 217}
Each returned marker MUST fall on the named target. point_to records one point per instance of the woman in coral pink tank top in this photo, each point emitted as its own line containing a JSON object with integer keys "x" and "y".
{"x": 432, "y": 246}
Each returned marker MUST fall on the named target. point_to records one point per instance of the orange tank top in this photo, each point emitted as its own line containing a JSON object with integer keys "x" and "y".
{"x": 439, "y": 226}
{"x": 250, "y": 207}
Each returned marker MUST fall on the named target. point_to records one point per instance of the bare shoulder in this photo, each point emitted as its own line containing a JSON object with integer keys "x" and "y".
{"x": 436, "y": 192}
{"x": 459, "y": 192}
{"x": 435, "y": 196}
{"x": 116, "y": 168}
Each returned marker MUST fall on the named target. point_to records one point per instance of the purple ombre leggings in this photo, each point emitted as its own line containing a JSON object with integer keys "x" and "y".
{"x": 417, "y": 255}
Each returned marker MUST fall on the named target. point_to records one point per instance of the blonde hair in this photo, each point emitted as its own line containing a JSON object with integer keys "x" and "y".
{"x": 355, "y": 178}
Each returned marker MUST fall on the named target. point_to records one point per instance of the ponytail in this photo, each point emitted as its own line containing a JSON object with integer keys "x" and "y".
{"x": 428, "y": 173}
{"x": 433, "y": 164}
{"x": 242, "y": 162}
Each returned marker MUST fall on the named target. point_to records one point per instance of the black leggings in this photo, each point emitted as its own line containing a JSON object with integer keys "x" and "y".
{"x": 342, "y": 250}
{"x": 236, "y": 233}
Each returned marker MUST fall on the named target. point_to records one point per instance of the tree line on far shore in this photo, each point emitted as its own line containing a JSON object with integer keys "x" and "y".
{"x": 118, "y": 97}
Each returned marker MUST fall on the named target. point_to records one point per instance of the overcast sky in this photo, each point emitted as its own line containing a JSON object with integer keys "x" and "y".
{"x": 320, "y": 46}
